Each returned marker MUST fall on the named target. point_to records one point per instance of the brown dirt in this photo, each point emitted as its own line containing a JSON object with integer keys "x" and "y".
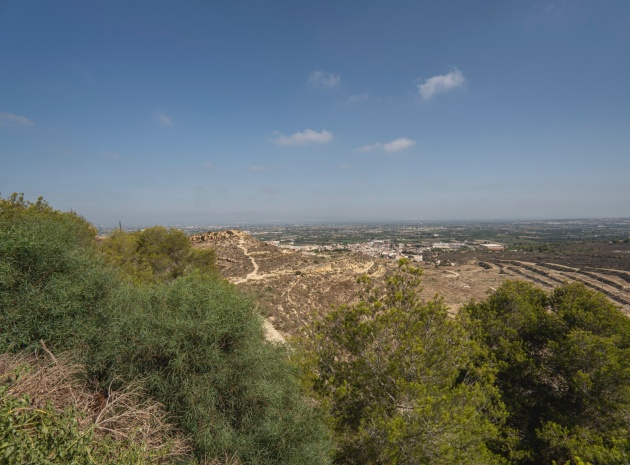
{"x": 292, "y": 287}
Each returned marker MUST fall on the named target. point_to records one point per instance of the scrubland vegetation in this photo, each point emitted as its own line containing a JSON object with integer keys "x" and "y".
{"x": 134, "y": 350}
{"x": 191, "y": 340}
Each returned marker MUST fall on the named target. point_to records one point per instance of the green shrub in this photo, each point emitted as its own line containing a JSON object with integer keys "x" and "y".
{"x": 403, "y": 382}
{"x": 52, "y": 284}
{"x": 564, "y": 372}
{"x": 156, "y": 254}
{"x": 194, "y": 341}
{"x": 199, "y": 345}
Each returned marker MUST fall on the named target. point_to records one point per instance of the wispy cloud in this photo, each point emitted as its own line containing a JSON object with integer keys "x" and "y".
{"x": 12, "y": 120}
{"x": 108, "y": 154}
{"x": 398, "y": 144}
{"x": 389, "y": 147}
{"x": 562, "y": 12}
{"x": 305, "y": 137}
{"x": 164, "y": 119}
{"x": 358, "y": 98}
{"x": 257, "y": 168}
{"x": 440, "y": 84}
{"x": 324, "y": 80}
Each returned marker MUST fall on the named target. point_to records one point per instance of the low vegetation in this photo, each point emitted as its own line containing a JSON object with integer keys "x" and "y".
{"x": 524, "y": 377}
{"x": 134, "y": 350}
{"x": 49, "y": 414}
{"x": 193, "y": 342}
{"x": 156, "y": 254}
{"x": 403, "y": 382}
{"x": 563, "y": 361}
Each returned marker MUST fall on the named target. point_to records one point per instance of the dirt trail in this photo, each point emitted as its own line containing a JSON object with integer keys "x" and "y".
{"x": 271, "y": 333}
{"x": 451, "y": 274}
{"x": 253, "y": 274}
{"x": 287, "y": 292}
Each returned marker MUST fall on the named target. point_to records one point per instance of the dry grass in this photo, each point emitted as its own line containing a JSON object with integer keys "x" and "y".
{"x": 123, "y": 414}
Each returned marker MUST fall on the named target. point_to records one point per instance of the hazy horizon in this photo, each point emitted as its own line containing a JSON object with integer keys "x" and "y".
{"x": 324, "y": 222}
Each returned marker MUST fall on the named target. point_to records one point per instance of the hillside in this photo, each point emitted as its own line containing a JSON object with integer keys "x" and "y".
{"x": 291, "y": 285}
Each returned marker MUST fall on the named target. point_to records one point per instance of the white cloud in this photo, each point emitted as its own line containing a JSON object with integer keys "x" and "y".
{"x": 164, "y": 119}
{"x": 305, "y": 137}
{"x": 324, "y": 80}
{"x": 369, "y": 148}
{"x": 9, "y": 119}
{"x": 358, "y": 98}
{"x": 257, "y": 168}
{"x": 111, "y": 155}
{"x": 440, "y": 84}
{"x": 389, "y": 147}
{"x": 398, "y": 144}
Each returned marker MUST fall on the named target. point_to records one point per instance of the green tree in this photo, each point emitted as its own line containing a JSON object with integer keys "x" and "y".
{"x": 156, "y": 254}
{"x": 403, "y": 381}
{"x": 564, "y": 372}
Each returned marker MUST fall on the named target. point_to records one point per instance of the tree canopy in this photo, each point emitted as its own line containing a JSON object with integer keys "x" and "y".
{"x": 402, "y": 381}
{"x": 564, "y": 372}
{"x": 156, "y": 254}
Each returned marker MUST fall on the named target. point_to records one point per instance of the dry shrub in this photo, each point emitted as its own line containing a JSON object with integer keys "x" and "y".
{"x": 122, "y": 414}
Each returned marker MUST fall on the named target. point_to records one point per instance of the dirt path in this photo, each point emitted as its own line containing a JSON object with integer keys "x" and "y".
{"x": 379, "y": 273}
{"x": 253, "y": 274}
{"x": 287, "y": 292}
{"x": 367, "y": 268}
{"x": 272, "y": 334}
{"x": 451, "y": 274}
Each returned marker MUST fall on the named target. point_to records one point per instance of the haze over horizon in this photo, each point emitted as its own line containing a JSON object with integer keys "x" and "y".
{"x": 218, "y": 112}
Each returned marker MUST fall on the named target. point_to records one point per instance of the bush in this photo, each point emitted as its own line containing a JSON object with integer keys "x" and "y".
{"x": 402, "y": 381}
{"x": 199, "y": 345}
{"x": 53, "y": 287}
{"x": 49, "y": 416}
{"x": 564, "y": 372}
{"x": 156, "y": 254}
{"x": 195, "y": 343}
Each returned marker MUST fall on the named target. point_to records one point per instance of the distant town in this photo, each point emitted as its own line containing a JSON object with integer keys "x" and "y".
{"x": 419, "y": 241}
{"x": 385, "y": 248}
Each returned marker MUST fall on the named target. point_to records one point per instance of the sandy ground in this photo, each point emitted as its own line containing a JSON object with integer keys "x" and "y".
{"x": 292, "y": 287}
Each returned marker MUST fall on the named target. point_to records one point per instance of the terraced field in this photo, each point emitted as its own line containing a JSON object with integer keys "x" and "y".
{"x": 613, "y": 283}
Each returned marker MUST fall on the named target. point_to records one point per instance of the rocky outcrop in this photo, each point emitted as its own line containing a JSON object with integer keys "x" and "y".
{"x": 212, "y": 236}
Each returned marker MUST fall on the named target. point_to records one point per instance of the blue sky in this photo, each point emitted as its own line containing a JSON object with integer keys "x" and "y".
{"x": 197, "y": 112}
